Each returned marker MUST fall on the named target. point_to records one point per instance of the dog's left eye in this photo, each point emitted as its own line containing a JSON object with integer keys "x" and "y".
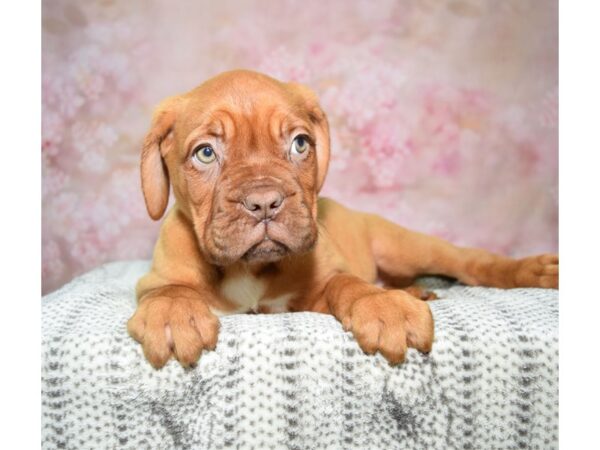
{"x": 300, "y": 145}
{"x": 204, "y": 154}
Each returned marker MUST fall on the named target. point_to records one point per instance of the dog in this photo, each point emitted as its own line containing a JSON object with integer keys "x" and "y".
{"x": 246, "y": 156}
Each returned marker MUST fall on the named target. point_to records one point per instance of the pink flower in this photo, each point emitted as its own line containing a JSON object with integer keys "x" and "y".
{"x": 62, "y": 95}
{"x": 385, "y": 147}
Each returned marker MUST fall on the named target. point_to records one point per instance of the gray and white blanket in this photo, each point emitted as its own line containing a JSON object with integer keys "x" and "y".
{"x": 298, "y": 380}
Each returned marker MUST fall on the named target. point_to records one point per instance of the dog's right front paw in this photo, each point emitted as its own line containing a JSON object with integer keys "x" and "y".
{"x": 181, "y": 327}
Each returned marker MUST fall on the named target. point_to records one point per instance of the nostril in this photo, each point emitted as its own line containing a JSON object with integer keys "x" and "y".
{"x": 251, "y": 205}
{"x": 263, "y": 203}
{"x": 277, "y": 200}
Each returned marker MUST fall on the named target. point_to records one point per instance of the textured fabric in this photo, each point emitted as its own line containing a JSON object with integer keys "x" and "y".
{"x": 298, "y": 380}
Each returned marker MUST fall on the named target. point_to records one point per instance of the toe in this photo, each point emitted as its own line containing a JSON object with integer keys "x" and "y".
{"x": 367, "y": 334}
{"x": 420, "y": 329}
{"x": 347, "y": 323}
{"x": 187, "y": 343}
{"x": 548, "y": 258}
{"x": 135, "y": 327}
{"x": 551, "y": 269}
{"x": 207, "y": 325}
{"x": 429, "y": 295}
{"x": 420, "y": 292}
{"x": 549, "y": 281}
{"x": 156, "y": 346}
{"x": 392, "y": 343}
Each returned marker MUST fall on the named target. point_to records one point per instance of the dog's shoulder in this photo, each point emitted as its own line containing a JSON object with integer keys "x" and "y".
{"x": 344, "y": 232}
{"x": 329, "y": 209}
{"x": 334, "y": 214}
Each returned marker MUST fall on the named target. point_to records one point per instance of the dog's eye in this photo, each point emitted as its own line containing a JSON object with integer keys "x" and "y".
{"x": 300, "y": 145}
{"x": 204, "y": 154}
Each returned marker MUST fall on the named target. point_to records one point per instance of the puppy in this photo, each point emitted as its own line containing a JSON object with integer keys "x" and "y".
{"x": 246, "y": 156}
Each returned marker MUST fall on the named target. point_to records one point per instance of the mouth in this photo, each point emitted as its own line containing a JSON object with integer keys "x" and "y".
{"x": 266, "y": 251}
{"x": 239, "y": 239}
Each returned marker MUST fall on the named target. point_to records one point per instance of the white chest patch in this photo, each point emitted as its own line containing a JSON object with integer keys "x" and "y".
{"x": 278, "y": 304}
{"x": 243, "y": 289}
{"x": 248, "y": 293}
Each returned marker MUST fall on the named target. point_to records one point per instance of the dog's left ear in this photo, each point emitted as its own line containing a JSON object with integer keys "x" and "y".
{"x": 319, "y": 119}
{"x": 157, "y": 143}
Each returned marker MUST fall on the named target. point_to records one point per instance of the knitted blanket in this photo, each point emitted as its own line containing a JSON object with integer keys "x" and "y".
{"x": 298, "y": 380}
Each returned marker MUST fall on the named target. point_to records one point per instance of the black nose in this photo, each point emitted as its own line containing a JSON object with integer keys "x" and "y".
{"x": 263, "y": 204}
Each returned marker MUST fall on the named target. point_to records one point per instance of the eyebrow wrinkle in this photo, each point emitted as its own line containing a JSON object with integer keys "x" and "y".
{"x": 214, "y": 128}
{"x": 211, "y": 125}
{"x": 228, "y": 124}
{"x": 284, "y": 125}
{"x": 275, "y": 126}
{"x": 252, "y": 134}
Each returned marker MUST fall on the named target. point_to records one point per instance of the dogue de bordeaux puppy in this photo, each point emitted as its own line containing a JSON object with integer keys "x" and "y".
{"x": 246, "y": 156}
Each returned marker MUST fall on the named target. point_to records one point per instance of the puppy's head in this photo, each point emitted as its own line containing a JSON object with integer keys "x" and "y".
{"x": 246, "y": 156}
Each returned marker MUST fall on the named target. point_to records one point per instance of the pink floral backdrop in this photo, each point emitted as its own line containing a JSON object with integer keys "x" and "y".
{"x": 443, "y": 113}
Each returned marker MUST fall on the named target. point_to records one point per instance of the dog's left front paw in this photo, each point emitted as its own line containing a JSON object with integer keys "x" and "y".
{"x": 389, "y": 322}
{"x": 537, "y": 271}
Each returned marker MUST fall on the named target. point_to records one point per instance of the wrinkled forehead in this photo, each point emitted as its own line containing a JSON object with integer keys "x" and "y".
{"x": 233, "y": 114}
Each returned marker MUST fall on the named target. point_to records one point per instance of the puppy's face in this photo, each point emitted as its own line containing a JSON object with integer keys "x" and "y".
{"x": 246, "y": 156}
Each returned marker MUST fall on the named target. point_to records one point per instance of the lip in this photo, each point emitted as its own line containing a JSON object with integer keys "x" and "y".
{"x": 266, "y": 251}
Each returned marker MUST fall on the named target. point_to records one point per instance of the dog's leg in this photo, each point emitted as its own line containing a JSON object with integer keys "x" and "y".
{"x": 381, "y": 320}
{"x": 404, "y": 254}
{"x": 175, "y": 298}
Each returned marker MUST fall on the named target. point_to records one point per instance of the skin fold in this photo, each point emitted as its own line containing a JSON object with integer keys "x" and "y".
{"x": 246, "y": 156}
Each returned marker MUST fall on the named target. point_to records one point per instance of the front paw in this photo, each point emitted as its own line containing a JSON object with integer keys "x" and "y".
{"x": 537, "y": 271}
{"x": 180, "y": 326}
{"x": 389, "y": 322}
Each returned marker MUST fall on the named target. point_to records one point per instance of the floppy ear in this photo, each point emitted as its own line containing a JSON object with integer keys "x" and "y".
{"x": 319, "y": 119}
{"x": 157, "y": 143}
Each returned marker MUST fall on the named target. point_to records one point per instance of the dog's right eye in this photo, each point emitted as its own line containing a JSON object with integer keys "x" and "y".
{"x": 300, "y": 145}
{"x": 204, "y": 154}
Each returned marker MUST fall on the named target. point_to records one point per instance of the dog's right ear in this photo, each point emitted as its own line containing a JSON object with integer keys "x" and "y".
{"x": 157, "y": 143}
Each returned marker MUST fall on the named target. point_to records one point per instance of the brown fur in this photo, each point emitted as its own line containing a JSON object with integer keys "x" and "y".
{"x": 215, "y": 256}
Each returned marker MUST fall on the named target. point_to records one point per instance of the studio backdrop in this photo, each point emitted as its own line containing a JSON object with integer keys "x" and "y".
{"x": 443, "y": 114}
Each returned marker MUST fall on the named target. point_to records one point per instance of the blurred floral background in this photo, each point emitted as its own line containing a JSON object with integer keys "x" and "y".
{"x": 443, "y": 113}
